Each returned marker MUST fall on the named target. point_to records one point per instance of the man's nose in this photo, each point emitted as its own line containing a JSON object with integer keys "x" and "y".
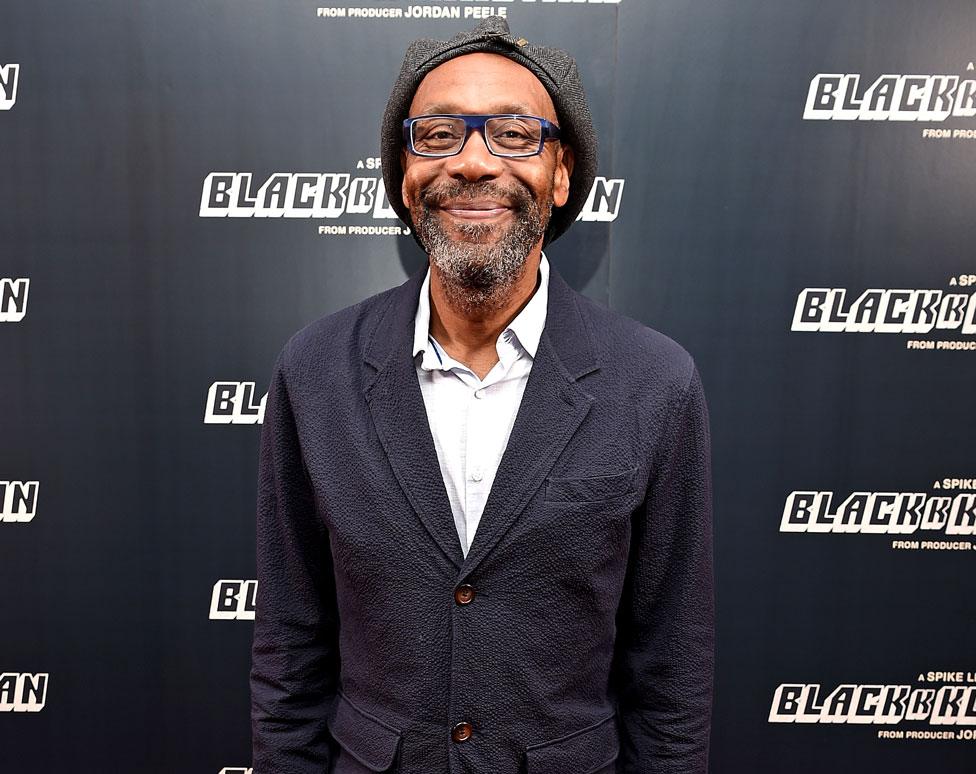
{"x": 474, "y": 162}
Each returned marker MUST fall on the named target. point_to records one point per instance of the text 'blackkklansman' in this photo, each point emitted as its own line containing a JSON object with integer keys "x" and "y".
{"x": 880, "y": 310}
{"x": 874, "y": 704}
{"x": 837, "y": 97}
{"x": 232, "y": 403}
{"x": 23, "y": 691}
{"x": 9, "y": 76}
{"x": 13, "y": 298}
{"x": 18, "y": 500}
{"x": 334, "y": 194}
{"x": 894, "y": 513}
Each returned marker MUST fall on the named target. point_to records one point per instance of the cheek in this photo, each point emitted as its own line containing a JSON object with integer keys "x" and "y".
{"x": 544, "y": 184}
{"x": 414, "y": 179}
{"x": 543, "y": 187}
{"x": 406, "y": 190}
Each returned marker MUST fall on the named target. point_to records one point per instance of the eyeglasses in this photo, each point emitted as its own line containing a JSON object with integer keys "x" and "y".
{"x": 508, "y": 135}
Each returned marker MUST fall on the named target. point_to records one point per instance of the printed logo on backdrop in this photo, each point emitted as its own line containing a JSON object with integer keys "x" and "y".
{"x": 444, "y": 9}
{"x": 918, "y": 98}
{"x": 232, "y": 403}
{"x": 18, "y": 501}
{"x": 233, "y": 600}
{"x": 942, "y": 519}
{"x": 23, "y": 691}
{"x": 356, "y": 199}
{"x": 13, "y": 298}
{"x": 315, "y": 195}
{"x": 944, "y": 713}
{"x": 9, "y": 76}
{"x": 944, "y": 317}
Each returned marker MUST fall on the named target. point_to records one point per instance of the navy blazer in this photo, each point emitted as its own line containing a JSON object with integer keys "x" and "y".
{"x": 582, "y": 641}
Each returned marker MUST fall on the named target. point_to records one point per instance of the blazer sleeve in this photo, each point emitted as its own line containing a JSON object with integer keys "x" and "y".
{"x": 664, "y": 654}
{"x": 294, "y": 658}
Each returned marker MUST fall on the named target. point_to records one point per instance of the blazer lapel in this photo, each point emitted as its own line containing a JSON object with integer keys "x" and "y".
{"x": 400, "y": 417}
{"x": 553, "y": 407}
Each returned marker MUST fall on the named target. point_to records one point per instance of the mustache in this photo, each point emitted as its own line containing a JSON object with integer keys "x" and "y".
{"x": 436, "y": 194}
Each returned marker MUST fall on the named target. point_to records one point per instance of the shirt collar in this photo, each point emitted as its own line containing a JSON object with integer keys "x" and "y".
{"x": 527, "y": 325}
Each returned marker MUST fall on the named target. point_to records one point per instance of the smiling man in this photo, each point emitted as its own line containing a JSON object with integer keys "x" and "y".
{"x": 484, "y": 512}
{"x": 481, "y": 211}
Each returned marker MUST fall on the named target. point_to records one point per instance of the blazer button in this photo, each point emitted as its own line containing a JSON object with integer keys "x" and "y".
{"x": 461, "y": 731}
{"x": 463, "y": 594}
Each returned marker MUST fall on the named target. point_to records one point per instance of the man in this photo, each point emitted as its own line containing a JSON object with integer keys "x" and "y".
{"x": 484, "y": 519}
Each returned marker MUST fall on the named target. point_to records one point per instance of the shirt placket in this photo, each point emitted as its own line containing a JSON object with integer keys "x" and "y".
{"x": 477, "y": 447}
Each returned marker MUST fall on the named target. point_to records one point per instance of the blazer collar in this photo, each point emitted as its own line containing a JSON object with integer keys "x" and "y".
{"x": 565, "y": 327}
{"x": 527, "y": 325}
{"x": 553, "y": 406}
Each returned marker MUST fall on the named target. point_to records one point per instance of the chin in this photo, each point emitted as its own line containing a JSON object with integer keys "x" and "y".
{"x": 485, "y": 234}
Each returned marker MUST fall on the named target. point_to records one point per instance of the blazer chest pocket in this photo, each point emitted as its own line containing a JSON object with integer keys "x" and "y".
{"x": 590, "y": 488}
{"x": 368, "y": 744}
{"x": 590, "y": 750}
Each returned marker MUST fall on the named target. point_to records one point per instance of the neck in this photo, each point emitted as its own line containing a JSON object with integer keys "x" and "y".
{"x": 469, "y": 335}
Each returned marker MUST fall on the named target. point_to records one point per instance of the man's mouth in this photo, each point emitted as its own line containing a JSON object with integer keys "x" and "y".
{"x": 478, "y": 209}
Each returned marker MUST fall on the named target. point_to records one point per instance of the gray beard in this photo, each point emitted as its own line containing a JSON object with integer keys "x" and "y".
{"x": 479, "y": 277}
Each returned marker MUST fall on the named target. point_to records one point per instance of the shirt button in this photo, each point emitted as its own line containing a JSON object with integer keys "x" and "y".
{"x": 461, "y": 731}
{"x": 477, "y": 475}
{"x": 463, "y": 594}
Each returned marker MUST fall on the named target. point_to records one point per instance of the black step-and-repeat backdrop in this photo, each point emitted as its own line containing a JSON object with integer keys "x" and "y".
{"x": 785, "y": 187}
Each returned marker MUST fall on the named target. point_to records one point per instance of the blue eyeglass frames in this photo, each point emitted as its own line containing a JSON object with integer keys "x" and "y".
{"x": 509, "y": 135}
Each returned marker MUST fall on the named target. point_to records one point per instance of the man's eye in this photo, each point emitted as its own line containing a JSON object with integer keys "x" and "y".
{"x": 441, "y": 132}
{"x": 515, "y": 136}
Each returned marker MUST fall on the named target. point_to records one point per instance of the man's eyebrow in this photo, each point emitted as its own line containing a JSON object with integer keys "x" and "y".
{"x": 448, "y": 107}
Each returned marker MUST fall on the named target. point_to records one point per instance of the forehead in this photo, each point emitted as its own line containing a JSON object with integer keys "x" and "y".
{"x": 482, "y": 83}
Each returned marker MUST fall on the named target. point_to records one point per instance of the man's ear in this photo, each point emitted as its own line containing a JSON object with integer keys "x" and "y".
{"x": 564, "y": 170}
{"x": 403, "y": 183}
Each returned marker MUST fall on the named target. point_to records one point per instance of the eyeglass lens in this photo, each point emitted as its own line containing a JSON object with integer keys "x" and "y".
{"x": 505, "y": 136}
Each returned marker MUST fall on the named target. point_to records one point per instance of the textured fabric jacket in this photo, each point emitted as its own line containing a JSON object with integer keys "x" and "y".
{"x": 576, "y": 637}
